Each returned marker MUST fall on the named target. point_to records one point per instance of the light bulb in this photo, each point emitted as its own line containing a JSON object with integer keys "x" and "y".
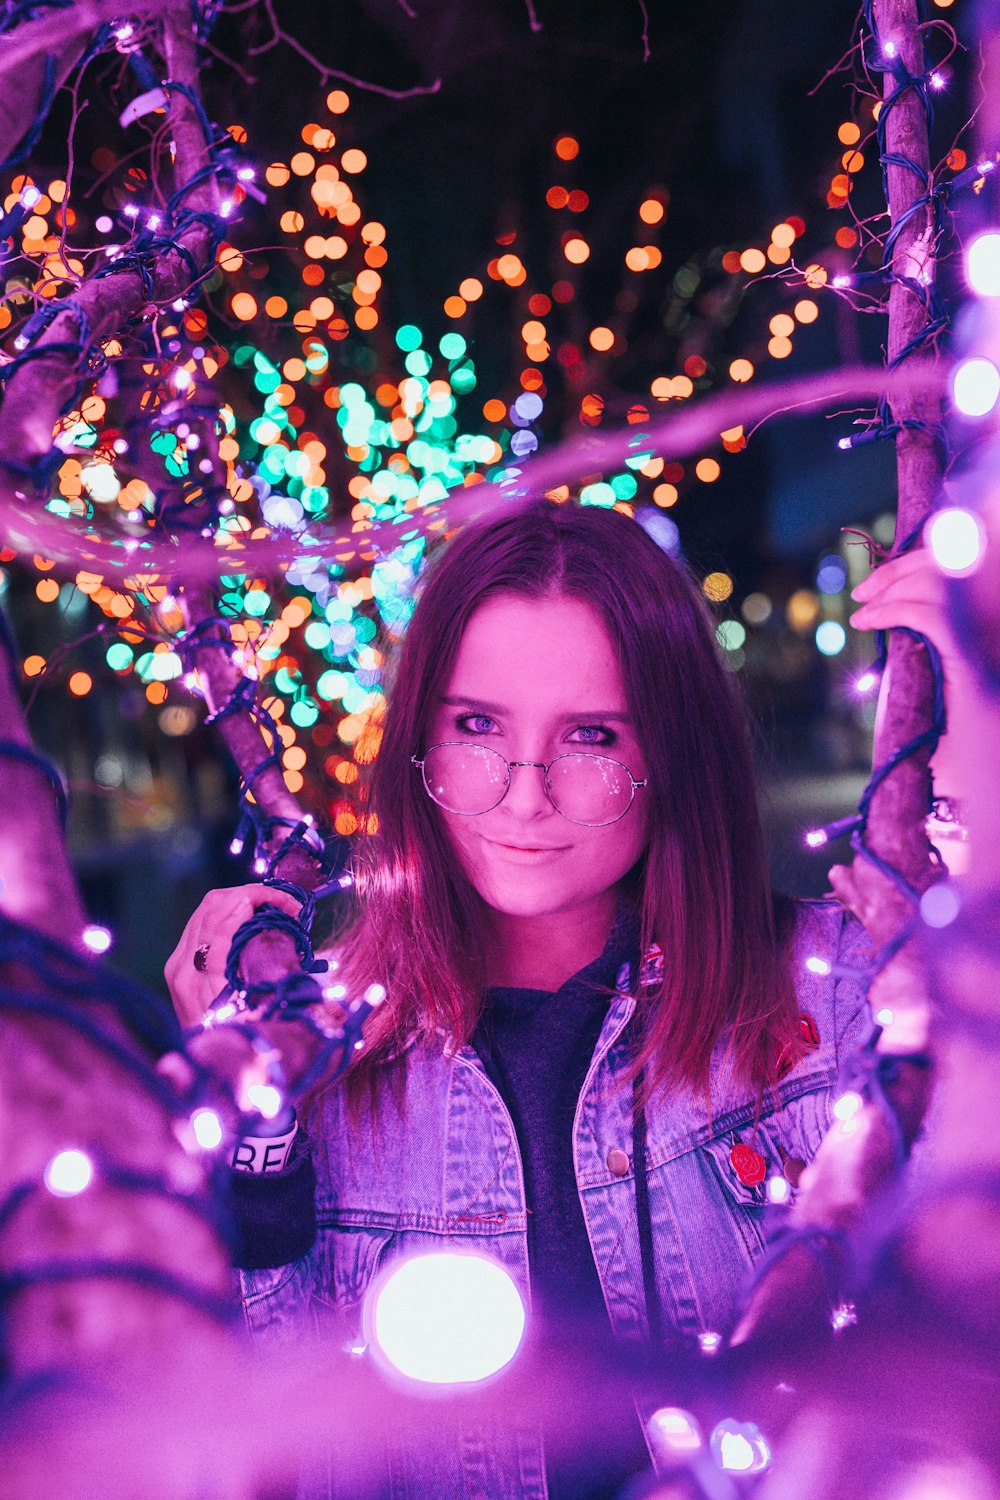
{"x": 740, "y": 1447}
{"x": 982, "y": 264}
{"x": 674, "y": 1432}
{"x": 956, "y": 540}
{"x": 207, "y": 1129}
{"x": 97, "y": 939}
{"x": 847, "y": 1106}
{"x": 447, "y": 1318}
{"x": 976, "y": 386}
{"x": 265, "y": 1099}
{"x": 69, "y": 1173}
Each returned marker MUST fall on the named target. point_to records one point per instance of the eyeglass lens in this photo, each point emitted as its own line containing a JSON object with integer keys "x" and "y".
{"x": 471, "y": 779}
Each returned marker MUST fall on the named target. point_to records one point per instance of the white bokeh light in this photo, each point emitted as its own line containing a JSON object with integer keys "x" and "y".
{"x": 447, "y": 1318}
{"x": 847, "y": 1106}
{"x": 265, "y": 1099}
{"x": 69, "y": 1173}
{"x": 97, "y": 939}
{"x": 740, "y": 1448}
{"x": 976, "y": 386}
{"x": 956, "y": 539}
{"x": 983, "y": 264}
{"x": 207, "y": 1129}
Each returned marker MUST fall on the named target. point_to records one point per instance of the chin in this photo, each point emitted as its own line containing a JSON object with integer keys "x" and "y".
{"x": 529, "y": 895}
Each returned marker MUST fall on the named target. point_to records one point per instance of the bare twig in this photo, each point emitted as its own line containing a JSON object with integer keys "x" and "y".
{"x": 280, "y": 37}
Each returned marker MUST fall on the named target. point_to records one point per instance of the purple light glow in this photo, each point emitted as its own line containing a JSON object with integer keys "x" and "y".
{"x": 97, "y": 939}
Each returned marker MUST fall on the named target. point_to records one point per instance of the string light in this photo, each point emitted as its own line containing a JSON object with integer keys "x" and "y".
{"x": 207, "y": 1128}
{"x": 446, "y": 1318}
{"x": 267, "y": 1100}
{"x": 976, "y": 386}
{"x": 68, "y": 1173}
{"x": 957, "y": 541}
{"x": 740, "y": 1447}
{"x": 97, "y": 939}
{"x": 674, "y": 1432}
{"x": 982, "y": 264}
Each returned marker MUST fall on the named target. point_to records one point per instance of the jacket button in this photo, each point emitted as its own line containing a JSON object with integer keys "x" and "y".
{"x": 618, "y": 1161}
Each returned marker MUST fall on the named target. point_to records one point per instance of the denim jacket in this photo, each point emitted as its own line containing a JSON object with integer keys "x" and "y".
{"x": 434, "y": 1163}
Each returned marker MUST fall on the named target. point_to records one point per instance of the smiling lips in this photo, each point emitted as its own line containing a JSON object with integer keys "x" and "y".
{"x": 528, "y": 850}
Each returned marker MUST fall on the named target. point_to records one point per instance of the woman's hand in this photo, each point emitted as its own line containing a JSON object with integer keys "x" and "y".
{"x": 196, "y": 970}
{"x": 909, "y": 590}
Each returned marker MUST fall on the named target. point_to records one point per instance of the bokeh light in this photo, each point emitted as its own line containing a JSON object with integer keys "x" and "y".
{"x": 446, "y": 1318}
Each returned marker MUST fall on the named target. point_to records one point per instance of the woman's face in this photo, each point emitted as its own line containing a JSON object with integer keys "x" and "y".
{"x": 535, "y": 679}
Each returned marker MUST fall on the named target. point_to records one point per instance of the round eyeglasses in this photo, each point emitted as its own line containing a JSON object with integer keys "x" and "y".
{"x": 473, "y": 779}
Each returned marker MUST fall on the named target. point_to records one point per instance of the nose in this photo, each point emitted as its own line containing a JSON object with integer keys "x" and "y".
{"x": 526, "y": 796}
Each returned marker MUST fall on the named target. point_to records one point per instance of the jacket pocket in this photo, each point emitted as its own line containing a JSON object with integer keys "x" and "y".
{"x": 736, "y": 1163}
{"x": 348, "y": 1258}
{"x": 276, "y": 1300}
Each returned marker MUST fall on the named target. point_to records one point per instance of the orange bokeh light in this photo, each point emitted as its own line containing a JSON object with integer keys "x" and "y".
{"x": 244, "y": 306}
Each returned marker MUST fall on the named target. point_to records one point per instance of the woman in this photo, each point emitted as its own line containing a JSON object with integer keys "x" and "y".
{"x": 601, "y": 1038}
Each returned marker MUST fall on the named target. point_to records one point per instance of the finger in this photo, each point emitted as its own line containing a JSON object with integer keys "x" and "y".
{"x": 221, "y": 912}
{"x": 904, "y": 566}
{"x": 230, "y": 917}
{"x": 269, "y": 894}
{"x": 924, "y": 622}
{"x": 196, "y": 970}
{"x": 912, "y": 614}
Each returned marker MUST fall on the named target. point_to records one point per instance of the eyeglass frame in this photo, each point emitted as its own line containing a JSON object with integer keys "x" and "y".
{"x": 540, "y": 765}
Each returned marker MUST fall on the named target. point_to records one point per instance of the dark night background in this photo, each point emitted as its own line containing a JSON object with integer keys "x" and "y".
{"x": 725, "y": 117}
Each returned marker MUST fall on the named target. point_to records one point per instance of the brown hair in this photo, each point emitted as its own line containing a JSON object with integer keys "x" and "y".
{"x": 702, "y": 886}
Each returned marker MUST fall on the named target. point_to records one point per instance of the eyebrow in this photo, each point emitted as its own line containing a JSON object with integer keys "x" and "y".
{"x": 459, "y": 701}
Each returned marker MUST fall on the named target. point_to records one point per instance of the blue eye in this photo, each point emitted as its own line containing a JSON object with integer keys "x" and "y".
{"x": 474, "y": 723}
{"x": 595, "y": 734}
